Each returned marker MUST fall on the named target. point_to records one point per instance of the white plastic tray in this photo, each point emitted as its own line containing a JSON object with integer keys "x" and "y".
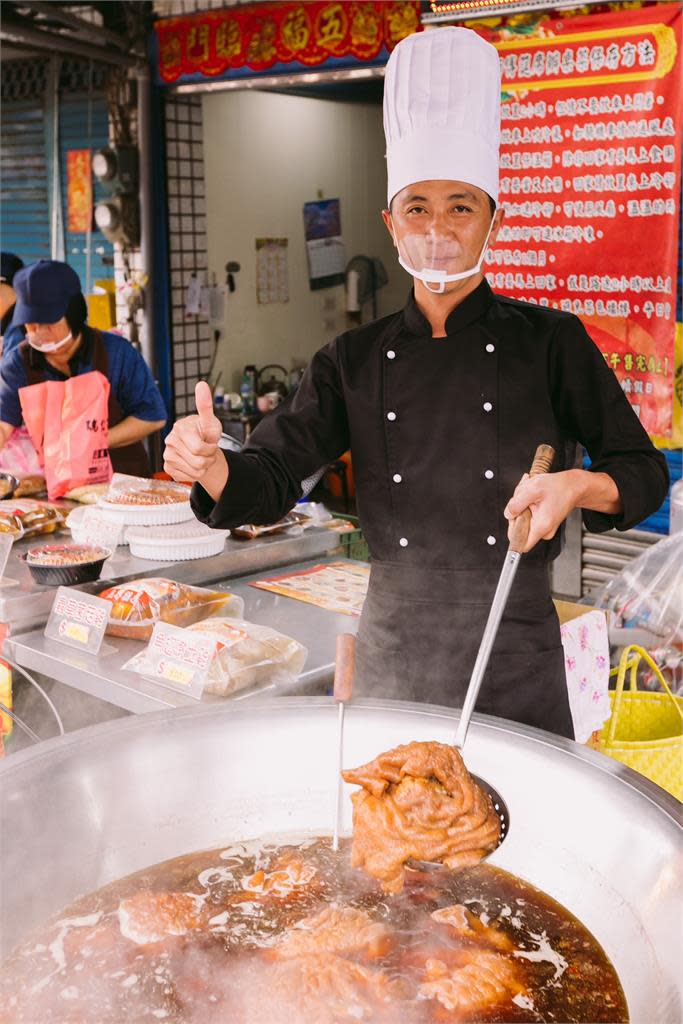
{"x": 176, "y": 543}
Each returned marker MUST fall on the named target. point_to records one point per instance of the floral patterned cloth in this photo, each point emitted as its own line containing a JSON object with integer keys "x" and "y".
{"x": 586, "y": 659}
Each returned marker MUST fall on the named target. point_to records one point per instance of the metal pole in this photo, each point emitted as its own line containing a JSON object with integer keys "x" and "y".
{"x": 144, "y": 146}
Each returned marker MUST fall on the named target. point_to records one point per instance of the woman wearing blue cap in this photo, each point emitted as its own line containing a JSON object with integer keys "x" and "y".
{"x": 60, "y": 344}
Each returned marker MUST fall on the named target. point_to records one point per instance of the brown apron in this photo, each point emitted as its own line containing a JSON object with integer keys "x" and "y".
{"x": 131, "y": 458}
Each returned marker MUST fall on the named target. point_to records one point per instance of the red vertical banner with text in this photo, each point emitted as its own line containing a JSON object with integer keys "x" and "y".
{"x": 590, "y": 183}
{"x": 78, "y": 190}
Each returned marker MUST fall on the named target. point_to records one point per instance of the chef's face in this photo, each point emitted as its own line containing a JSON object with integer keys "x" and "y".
{"x": 442, "y": 225}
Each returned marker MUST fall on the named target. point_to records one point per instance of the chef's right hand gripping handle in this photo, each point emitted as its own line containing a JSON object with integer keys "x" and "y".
{"x": 344, "y": 667}
{"x": 543, "y": 460}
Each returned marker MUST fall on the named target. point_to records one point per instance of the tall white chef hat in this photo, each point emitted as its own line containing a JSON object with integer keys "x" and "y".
{"x": 442, "y": 110}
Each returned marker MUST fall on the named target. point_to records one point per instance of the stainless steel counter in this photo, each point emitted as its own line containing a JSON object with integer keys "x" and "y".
{"x": 103, "y": 676}
{"x": 25, "y": 605}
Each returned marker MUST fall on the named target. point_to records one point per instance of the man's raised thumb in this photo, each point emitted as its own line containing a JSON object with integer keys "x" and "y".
{"x": 209, "y": 424}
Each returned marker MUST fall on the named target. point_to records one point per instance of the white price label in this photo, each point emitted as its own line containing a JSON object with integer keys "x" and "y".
{"x": 179, "y": 658}
{"x": 78, "y": 619}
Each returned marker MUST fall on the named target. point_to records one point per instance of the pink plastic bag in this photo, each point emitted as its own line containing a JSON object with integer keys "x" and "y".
{"x": 19, "y": 456}
{"x": 69, "y": 425}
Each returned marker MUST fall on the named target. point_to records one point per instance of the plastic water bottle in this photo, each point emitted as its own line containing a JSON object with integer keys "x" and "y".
{"x": 247, "y": 394}
{"x": 676, "y": 507}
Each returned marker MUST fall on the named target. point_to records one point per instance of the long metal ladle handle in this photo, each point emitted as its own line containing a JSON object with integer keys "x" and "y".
{"x": 519, "y": 534}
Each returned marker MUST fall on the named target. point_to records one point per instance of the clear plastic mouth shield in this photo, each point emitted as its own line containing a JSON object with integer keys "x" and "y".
{"x": 435, "y": 258}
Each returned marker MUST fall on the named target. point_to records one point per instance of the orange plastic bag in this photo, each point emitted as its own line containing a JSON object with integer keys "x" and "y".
{"x": 68, "y": 422}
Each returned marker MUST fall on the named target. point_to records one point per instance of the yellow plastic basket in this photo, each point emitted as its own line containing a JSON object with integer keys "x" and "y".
{"x": 645, "y": 730}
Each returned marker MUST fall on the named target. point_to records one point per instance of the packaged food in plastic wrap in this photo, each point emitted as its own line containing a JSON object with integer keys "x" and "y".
{"x": 250, "y": 531}
{"x": 139, "y": 604}
{"x": 30, "y": 485}
{"x": 27, "y": 518}
{"x": 246, "y": 655}
{"x": 138, "y": 501}
{"x": 648, "y": 595}
{"x": 88, "y": 494}
{"x": 22, "y": 487}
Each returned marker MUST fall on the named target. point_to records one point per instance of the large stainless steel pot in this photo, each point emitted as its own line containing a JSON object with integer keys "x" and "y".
{"x": 81, "y": 811}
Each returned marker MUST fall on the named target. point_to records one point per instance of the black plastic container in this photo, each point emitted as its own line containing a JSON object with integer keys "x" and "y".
{"x": 68, "y": 574}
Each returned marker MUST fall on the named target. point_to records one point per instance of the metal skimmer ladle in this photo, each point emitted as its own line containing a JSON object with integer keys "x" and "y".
{"x": 543, "y": 460}
{"x": 344, "y": 667}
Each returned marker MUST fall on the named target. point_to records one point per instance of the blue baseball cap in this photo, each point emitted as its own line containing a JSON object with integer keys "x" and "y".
{"x": 10, "y": 263}
{"x": 44, "y": 291}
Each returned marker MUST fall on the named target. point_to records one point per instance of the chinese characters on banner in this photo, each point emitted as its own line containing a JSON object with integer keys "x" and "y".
{"x": 78, "y": 190}
{"x": 260, "y": 35}
{"x": 590, "y": 182}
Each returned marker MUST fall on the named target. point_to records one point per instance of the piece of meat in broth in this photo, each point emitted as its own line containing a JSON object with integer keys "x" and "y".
{"x": 419, "y": 802}
{"x": 343, "y": 930}
{"x": 287, "y": 878}
{"x": 322, "y": 988}
{"x": 481, "y": 981}
{"x": 154, "y": 916}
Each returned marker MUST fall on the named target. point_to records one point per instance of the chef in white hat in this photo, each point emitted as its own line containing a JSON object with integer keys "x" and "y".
{"x": 442, "y": 405}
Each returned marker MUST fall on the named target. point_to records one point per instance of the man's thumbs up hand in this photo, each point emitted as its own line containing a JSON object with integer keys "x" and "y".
{"x": 192, "y": 454}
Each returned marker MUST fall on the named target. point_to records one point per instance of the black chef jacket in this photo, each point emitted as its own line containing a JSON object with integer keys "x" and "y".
{"x": 441, "y": 430}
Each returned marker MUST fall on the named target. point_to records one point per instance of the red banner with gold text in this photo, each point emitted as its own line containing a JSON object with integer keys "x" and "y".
{"x": 78, "y": 190}
{"x": 590, "y": 183}
{"x": 258, "y": 36}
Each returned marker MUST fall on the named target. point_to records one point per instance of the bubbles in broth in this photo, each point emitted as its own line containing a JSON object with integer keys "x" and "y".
{"x": 287, "y": 931}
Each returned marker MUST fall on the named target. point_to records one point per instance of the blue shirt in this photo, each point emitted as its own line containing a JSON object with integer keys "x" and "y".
{"x": 13, "y": 337}
{"x": 129, "y": 376}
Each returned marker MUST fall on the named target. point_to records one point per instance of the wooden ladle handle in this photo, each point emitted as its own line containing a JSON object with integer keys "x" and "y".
{"x": 543, "y": 460}
{"x": 344, "y": 667}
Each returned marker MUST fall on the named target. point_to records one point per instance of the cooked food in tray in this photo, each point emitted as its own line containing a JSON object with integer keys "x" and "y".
{"x": 25, "y": 518}
{"x": 66, "y": 564}
{"x": 139, "y": 604}
{"x": 250, "y": 531}
{"x": 419, "y": 802}
{"x": 145, "y": 493}
{"x": 30, "y": 485}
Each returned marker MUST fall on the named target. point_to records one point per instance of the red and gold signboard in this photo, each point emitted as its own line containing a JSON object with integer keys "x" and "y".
{"x": 590, "y": 182}
{"x": 257, "y": 36}
{"x": 78, "y": 190}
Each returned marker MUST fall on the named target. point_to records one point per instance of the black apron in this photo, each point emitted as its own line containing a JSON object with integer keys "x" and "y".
{"x": 131, "y": 458}
{"x": 420, "y": 631}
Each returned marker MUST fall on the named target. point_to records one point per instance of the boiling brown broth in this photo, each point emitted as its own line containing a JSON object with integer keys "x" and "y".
{"x": 82, "y": 968}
